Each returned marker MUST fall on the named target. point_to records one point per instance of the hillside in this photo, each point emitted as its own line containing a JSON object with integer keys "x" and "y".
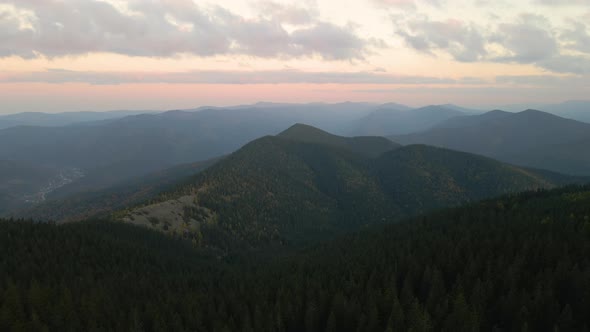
{"x": 394, "y": 121}
{"x": 63, "y": 206}
{"x": 515, "y": 263}
{"x": 423, "y": 177}
{"x": 529, "y": 138}
{"x": 279, "y": 191}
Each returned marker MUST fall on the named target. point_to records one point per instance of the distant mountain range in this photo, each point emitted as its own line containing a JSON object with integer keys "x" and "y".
{"x": 305, "y": 184}
{"x": 578, "y": 110}
{"x": 113, "y": 148}
{"x": 109, "y": 152}
{"x": 398, "y": 121}
{"x": 61, "y": 119}
{"x": 529, "y": 138}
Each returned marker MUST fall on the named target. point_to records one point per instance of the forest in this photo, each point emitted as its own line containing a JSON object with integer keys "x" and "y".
{"x": 516, "y": 263}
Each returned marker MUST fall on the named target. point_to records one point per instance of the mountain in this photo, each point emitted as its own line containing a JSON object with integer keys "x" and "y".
{"x": 519, "y": 262}
{"x": 63, "y": 205}
{"x": 60, "y": 119}
{"x": 575, "y": 109}
{"x": 305, "y": 185}
{"x": 578, "y": 110}
{"x": 530, "y": 138}
{"x": 471, "y": 120}
{"x": 392, "y": 121}
{"x": 335, "y": 118}
{"x": 461, "y": 109}
{"x": 364, "y": 145}
{"x": 395, "y": 106}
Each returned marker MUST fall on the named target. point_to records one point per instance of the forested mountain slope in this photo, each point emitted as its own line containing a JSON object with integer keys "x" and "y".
{"x": 516, "y": 263}
{"x": 288, "y": 191}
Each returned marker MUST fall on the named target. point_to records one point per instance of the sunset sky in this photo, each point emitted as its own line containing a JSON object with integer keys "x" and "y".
{"x": 83, "y": 55}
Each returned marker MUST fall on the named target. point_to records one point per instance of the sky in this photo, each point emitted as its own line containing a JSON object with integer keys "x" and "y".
{"x": 92, "y": 55}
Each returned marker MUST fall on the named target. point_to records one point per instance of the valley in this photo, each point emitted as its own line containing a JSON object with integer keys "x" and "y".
{"x": 63, "y": 178}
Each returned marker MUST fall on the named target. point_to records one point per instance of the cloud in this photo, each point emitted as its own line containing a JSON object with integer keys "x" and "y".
{"x": 577, "y": 38}
{"x": 567, "y": 64}
{"x": 57, "y": 76}
{"x": 407, "y": 5}
{"x": 168, "y": 28}
{"x": 398, "y": 4}
{"x": 562, "y": 2}
{"x": 288, "y": 13}
{"x": 543, "y": 80}
{"x": 462, "y": 40}
{"x": 332, "y": 41}
{"x": 529, "y": 39}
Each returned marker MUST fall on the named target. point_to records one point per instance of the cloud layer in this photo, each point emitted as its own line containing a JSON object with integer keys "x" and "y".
{"x": 529, "y": 39}
{"x": 30, "y": 29}
{"x": 226, "y": 77}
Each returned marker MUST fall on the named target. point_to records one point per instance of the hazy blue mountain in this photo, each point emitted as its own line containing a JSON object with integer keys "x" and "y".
{"x": 60, "y": 119}
{"x": 393, "y": 121}
{"x": 578, "y": 110}
{"x": 136, "y": 145}
{"x": 337, "y": 118}
{"x": 529, "y": 138}
{"x": 471, "y": 120}
{"x": 395, "y": 106}
{"x": 461, "y": 109}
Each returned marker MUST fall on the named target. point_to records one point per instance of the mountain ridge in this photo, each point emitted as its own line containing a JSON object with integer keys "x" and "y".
{"x": 281, "y": 191}
{"x": 384, "y": 121}
{"x": 530, "y": 138}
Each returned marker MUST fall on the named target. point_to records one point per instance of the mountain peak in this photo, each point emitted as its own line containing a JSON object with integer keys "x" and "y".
{"x": 536, "y": 114}
{"x": 301, "y": 131}
{"x": 371, "y": 146}
{"x": 533, "y": 111}
{"x": 309, "y": 134}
